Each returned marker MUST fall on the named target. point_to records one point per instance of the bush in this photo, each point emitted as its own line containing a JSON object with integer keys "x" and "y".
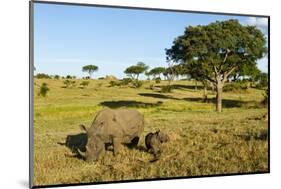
{"x": 262, "y": 81}
{"x": 262, "y": 85}
{"x": 236, "y": 87}
{"x": 114, "y": 83}
{"x": 166, "y": 88}
{"x": 68, "y": 77}
{"x": 43, "y": 76}
{"x": 123, "y": 82}
{"x": 43, "y": 90}
{"x": 69, "y": 83}
{"x": 101, "y": 78}
{"x": 137, "y": 83}
{"x": 126, "y": 81}
{"x": 56, "y": 77}
{"x": 84, "y": 83}
{"x": 157, "y": 80}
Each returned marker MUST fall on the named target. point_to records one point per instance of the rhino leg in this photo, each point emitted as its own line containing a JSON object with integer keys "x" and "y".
{"x": 116, "y": 145}
{"x": 100, "y": 150}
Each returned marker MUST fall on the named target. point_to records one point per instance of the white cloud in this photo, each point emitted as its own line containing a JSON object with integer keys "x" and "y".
{"x": 261, "y": 23}
{"x": 257, "y": 21}
{"x": 263, "y": 64}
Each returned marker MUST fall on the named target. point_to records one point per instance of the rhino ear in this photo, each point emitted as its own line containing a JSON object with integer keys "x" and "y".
{"x": 83, "y": 128}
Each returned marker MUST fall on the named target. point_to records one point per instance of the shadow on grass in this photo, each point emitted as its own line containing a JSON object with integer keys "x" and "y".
{"x": 129, "y": 103}
{"x": 227, "y": 103}
{"x": 192, "y": 87}
{"x": 77, "y": 141}
{"x": 154, "y": 95}
{"x": 261, "y": 135}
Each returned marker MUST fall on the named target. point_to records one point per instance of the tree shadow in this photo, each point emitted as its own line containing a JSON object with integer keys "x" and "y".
{"x": 130, "y": 103}
{"x": 75, "y": 142}
{"x": 154, "y": 95}
{"x": 179, "y": 86}
{"x": 226, "y": 103}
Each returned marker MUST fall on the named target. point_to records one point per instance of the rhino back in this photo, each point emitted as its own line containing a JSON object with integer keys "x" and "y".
{"x": 131, "y": 122}
{"x": 122, "y": 123}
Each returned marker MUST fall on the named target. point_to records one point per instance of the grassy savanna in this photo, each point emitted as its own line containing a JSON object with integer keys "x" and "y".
{"x": 203, "y": 142}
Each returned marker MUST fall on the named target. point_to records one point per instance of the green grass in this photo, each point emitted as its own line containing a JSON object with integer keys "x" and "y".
{"x": 203, "y": 142}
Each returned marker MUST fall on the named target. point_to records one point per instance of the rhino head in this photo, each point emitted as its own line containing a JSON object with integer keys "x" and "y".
{"x": 94, "y": 146}
{"x": 162, "y": 137}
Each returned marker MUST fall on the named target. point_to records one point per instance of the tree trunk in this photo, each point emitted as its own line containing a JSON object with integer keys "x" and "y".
{"x": 213, "y": 88}
{"x": 195, "y": 85}
{"x": 205, "y": 95}
{"x": 219, "y": 96}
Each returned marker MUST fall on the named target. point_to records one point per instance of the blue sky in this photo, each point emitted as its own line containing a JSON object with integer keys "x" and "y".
{"x": 69, "y": 37}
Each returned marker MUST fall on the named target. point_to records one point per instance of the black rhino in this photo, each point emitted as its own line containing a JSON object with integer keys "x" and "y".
{"x": 112, "y": 127}
{"x": 153, "y": 142}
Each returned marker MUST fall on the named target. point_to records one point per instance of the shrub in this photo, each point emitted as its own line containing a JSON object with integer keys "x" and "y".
{"x": 69, "y": 83}
{"x": 157, "y": 80}
{"x": 137, "y": 83}
{"x": 84, "y": 84}
{"x": 56, "y": 77}
{"x": 114, "y": 83}
{"x": 42, "y": 76}
{"x": 68, "y": 77}
{"x": 101, "y": 78}
{"x": 43, "y": 90}
{"x": 262, "y": 81}
{"x": 166, "y": 88}
{"x": 126, "y": 81}
{"x": 236, "y": 87}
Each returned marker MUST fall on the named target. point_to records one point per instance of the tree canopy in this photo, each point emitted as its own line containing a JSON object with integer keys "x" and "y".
{"x": 217, "y": 50}
{"x": 157, "y": 71}
{"x": 90, "y": 69}
{"x": 135, "y": 70}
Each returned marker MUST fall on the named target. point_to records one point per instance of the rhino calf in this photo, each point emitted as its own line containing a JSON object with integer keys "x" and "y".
{"x": 153, "y": 142}
{"x": 112, "y": 127}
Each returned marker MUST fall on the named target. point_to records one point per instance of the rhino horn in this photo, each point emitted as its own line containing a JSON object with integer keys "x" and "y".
{"x": 87, "y": 148}
{"x": 81, "y": 153}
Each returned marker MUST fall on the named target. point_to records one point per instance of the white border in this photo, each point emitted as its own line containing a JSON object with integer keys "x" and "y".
{"x": 14, "y": 102}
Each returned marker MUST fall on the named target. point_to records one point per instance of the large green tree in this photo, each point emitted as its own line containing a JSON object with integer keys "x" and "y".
{"x": 135, "y": 70}
{"x": 90, "y": 69}
{"x": 217, "y": 50}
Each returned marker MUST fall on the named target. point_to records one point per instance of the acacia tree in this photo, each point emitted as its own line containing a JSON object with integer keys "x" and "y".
{"x": 157, "y": 71}
{"x": 90, "y": 69}
{"x": 217, "y": 50}
{"x": 135, "y": 70}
